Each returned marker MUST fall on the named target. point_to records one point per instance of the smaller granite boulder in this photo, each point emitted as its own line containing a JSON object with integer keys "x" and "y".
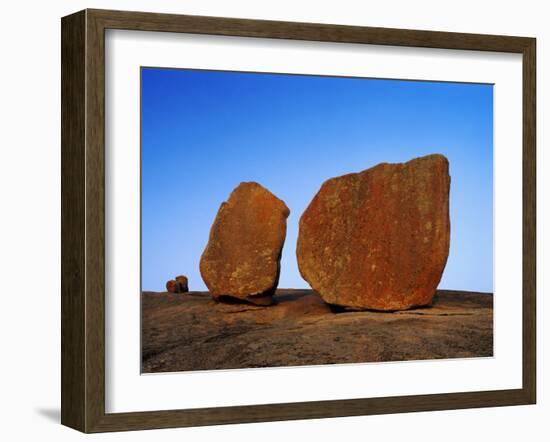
{"x": 242, "y": 258}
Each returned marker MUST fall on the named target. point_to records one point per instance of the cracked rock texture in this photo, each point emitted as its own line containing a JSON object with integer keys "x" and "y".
{"x": 194, "y": 332}
{"x": 242, "y": 257}
{"x": 378, "y": 239}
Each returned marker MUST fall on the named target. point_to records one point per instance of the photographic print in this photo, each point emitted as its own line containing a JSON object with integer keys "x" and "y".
{"x": 301, "y": 220}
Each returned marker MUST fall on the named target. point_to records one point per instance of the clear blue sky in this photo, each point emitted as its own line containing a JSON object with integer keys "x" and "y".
{"x": 205, "y": 132}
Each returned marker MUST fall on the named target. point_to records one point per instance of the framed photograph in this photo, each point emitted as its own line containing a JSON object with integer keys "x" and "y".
{"x": 268, "y": 220}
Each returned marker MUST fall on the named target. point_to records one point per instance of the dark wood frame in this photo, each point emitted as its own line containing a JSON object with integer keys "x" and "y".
{"x": 83, "y": 218}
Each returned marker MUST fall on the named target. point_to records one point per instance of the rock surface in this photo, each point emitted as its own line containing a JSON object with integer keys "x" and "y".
{"x": 194, "y": 332}
{"x": 378, "y": 239}
{"x": 242, "y": 257}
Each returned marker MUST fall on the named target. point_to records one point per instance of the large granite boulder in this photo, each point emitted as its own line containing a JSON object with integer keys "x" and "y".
{"x": 242, "y": 257}
{"x": 378, "y": 239}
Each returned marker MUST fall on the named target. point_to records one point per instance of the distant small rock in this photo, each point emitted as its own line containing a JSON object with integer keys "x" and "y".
{"x": 172, "y": 286}
{"x": 183, "y": 284}
{"x": 178, "y": 285}
{"x": 242, "y": 257}
{"x": 378, "y": 239}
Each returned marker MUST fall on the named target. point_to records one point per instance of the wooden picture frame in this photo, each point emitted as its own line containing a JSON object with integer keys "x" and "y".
{"x": 83, "y": 220}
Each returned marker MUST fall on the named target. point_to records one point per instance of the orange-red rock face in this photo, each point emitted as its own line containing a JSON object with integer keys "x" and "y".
{"x": 378, "y": 239}
{"x": 242, "y": 257}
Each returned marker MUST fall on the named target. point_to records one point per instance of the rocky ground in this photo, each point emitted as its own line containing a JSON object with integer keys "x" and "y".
{"x": 190, "y": 331}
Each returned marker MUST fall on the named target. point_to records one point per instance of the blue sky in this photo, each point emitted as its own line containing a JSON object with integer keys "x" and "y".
{"x": 203, "y": 132}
